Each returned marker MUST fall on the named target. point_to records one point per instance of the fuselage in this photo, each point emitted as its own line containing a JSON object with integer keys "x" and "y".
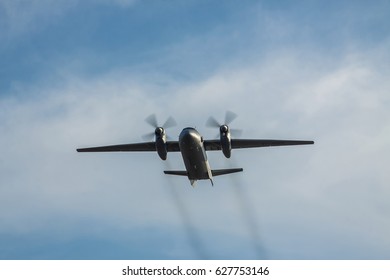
{"x": 194, "y": 155}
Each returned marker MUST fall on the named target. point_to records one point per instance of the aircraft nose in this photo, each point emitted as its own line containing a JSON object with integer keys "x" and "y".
{"x": 189, "y": 135}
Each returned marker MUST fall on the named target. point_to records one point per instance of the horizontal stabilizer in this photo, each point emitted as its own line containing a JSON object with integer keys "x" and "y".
{"x": 175, "y": 172}
{"x": 218, "y": 172}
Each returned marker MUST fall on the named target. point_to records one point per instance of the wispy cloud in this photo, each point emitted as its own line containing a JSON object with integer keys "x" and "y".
{"x": 19, "y": 18}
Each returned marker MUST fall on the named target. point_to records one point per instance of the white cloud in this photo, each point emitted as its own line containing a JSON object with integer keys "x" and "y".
{"x": 19, "y": 17}
{"x": 310, "y": 191}
{"x": 322, "y": 201}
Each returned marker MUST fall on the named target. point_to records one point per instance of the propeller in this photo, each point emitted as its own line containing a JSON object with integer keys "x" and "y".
{"x": 229, "y": 117}
{"x": 152, "y": 120}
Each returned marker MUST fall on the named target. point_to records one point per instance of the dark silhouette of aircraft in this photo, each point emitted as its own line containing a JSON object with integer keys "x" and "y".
{"x": 193, "y": 147}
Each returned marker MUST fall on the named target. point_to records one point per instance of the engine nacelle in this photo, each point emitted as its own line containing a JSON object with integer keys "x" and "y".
{"x": 225, "y": 140}
{"x": 161, "y": 146}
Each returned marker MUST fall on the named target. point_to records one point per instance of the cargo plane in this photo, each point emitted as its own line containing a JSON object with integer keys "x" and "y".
{"x": 193, "y": 147}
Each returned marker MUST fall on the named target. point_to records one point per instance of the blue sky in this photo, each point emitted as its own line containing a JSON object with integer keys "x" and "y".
{"x": 79, "y": 73}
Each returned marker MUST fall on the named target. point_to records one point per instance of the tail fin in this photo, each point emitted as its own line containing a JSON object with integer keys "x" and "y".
{"x": 218, "y": 172}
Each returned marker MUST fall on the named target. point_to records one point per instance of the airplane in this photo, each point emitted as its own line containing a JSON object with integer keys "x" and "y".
{"x": 193, "y": 147}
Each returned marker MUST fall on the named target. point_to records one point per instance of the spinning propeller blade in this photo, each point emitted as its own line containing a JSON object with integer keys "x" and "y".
{"x": 152, "y": 120}
{"x": 212, "y": 122}
{"x": 229, "y": 117}
{"x": 170, "y": 122}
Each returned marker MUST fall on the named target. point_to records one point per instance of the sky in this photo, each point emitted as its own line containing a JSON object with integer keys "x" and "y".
{"x": 87, "y": 73}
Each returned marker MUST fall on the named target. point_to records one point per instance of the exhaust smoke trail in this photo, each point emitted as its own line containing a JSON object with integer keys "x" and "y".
{"x": 251, "y": 221}
{"x": 185, "y": 217}
{"x": 248, "y": 214}
{"x": 246, "y": 208}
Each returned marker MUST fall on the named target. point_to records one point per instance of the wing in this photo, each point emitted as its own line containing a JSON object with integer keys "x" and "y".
{"x": 254, "y": 143}
{"x": 172, "y": 146}
{"x": 213, "y": 145}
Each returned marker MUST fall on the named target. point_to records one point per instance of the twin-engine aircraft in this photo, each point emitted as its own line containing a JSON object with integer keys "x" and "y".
{"x": 193, "y": 147}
